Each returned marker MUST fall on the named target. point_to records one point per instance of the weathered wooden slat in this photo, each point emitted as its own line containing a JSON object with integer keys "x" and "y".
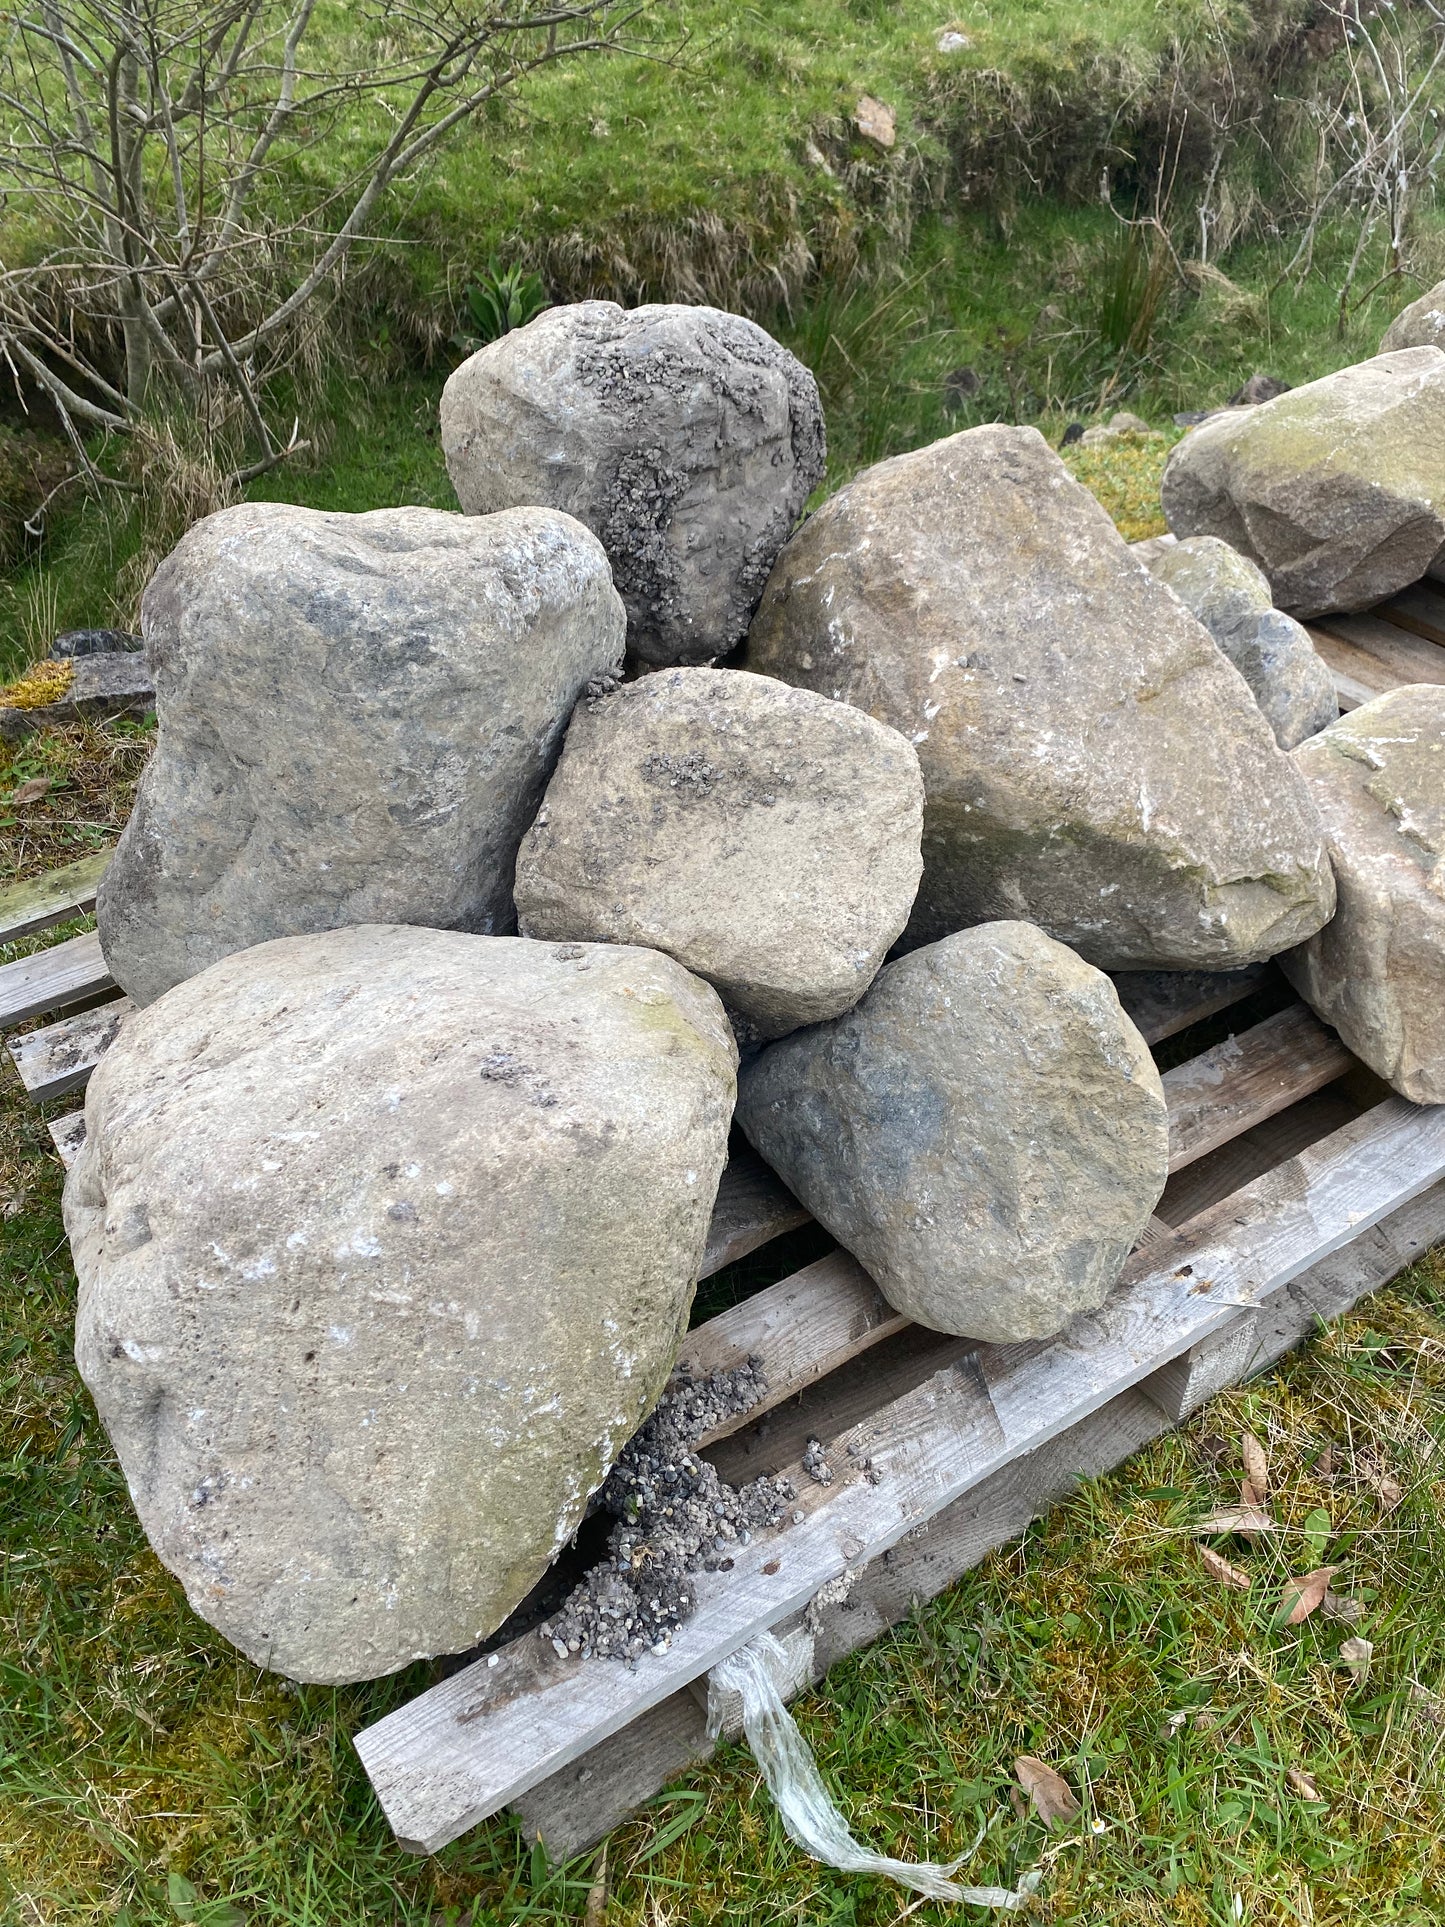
{"x": 61, "y": 1057}
{"x": 1420, "y": 608}
{"x": 753, "y": 1206}
{"x": 45, "y": 900}
{"x": 67, "y": 973}
{"x": 67, "y": 1134}
{"x": 500, "y": 1726}
{"x": 1164, "y": 1002}
{"x": 579, "y": 1805}
{"x": 1359, "y": 677}
{"x": 1248, "y": 1078}
{"x": 1402, "y": 655}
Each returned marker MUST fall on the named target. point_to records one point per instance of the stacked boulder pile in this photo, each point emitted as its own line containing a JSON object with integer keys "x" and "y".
{"x": 492, "y": 867}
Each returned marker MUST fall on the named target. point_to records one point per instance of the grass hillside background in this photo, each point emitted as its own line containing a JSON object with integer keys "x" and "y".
{"x": 1029, "y": 251}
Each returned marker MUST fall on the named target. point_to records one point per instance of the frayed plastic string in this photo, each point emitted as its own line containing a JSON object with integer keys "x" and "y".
{"x": 803, "y": 1802}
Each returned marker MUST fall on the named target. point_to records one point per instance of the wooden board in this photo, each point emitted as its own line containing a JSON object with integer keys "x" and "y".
{"x": 1248, "y": 1078}
{"x": 1359, "y": 677}
{"x": 61, "y": 1057}
{"x": 1164, "y": 1002}
{"x": 1420, "y": 608}
{"x": 67, "y": 973}
{"x": 67, "y": 1134}
{"x": 753, "y": 1206}
{"x": 500, "y": 1726}
{"x": 1399, "y": 655}
{"x": 50, "y": 899}
{"x": 574, "y": 1808}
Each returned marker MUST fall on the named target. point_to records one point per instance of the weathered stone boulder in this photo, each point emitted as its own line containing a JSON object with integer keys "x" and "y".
{"x": 686, "y": 438}
{"x": 385, "y": 1239}
{"x": 357, "y": 718}
{"x": 1421, "y": 325}
{"x": 1228, "y": 594}
{"x": 986, "y": 1132}
{"x": 1091, "y": 761}
{"x": 1336, "y": 489}
{"x": 764, "y": 836}
{"x": 1377, "y": 969}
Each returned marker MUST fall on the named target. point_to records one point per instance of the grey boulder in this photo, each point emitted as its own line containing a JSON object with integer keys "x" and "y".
{"x": 686, "y": 438}
{"x": 1336, "y": 489}
{"x": 1421, "y": 325}
{"x": 1377, "y": 969}
{"x": 765, "y": 837}
{"x": 1091, "y": 761}
{"x": 385, "y": 1239}
{"x": 986, "y": 1132}
{"x": 1228, "y": 594}
{"x": 357, "y": 717}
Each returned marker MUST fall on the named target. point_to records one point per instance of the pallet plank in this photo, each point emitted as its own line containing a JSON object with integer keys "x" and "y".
{"x": 1245, "y": 1079}
{"x": 67, "y": 973}
{"x": 1162, "y": 1003}
{"x": 1359, "y": 677}
{"x": 1401, "y": 655}
{"x": 61, "y": 1057}
{"x": 500, "y": 1726}
{"x": 50, "y": 899}
{"x": 1420, "y": 608}
{"x": 753, "y": 1206}
{"x": 67, "y": 1134}
{"x": 579, "y": 1805}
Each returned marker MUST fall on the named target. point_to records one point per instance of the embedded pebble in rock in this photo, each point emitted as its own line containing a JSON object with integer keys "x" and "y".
{"x": 765, "y": 837}
{"x": 1377, "y": 969}
{"x": 1091, "y": 762}
{"x": 357, "y": 716}
{"x": 685, "y": 438}
{"x": 1336, "y": 489}
{"x": 1229, "y": 595}
{"x": 386, "y": 1238}
{"x": 986, "y": 1132}
{"x": 676, "y": 1518}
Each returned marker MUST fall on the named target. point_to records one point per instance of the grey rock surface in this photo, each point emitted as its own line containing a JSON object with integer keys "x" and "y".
{"x": 105, "y": 684}
{"x": 986, "y": 1132}
{"x": 1091, "y": 761}
{"x": 357, "y": 717}
{"x": 1230, "y": 596}
{"x": 1421, "y": 325}
{"x": 386, "y": 1238}
{"x": 1336, "y": 489}
{"x": 1377, "y": 969}
{"x": 686, "y": 438}
{"x": 765, "y": 837}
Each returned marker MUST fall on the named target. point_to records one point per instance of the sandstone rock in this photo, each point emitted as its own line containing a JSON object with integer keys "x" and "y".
{"x": 1121, "y": 426}
{"x": 386, "y": 1238}
{"x": 98, "y": 686}
{"x": 1421, "y": 325}
{"x": 1228, "y": 594}
{"x": 765, "y": 837}
{"x": 876, "y": 121}
{"x": 357, "y": 718}
{"x": 1377, "y": 970}
{"x": 1091, "y": 761}
{"x": 687, "y": 439}
{"x": 986, "y": 1132}
{"x": 1336, "y": 489}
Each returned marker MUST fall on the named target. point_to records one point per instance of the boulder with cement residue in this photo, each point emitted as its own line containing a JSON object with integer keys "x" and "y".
{"x": 1377, "y": 969}
{"x": 1091, "y": 762}
{"x": 1336, "y": 489}
{"x": 1421, "y": 325}
{"x": 1228, "y": 594}
{"x": 986, "y": 1132}
{"x": 686, "y": 438}
{"x": 765, "y": 837}
{"x": 386, "y": 1239}
{"x": 357, "y": 718}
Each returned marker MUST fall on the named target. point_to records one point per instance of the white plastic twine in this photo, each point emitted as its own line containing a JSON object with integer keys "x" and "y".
{"x": 804, "y": 1804}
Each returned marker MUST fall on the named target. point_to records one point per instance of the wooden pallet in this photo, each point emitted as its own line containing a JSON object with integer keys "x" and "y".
{"x": 1297, "y": 1184}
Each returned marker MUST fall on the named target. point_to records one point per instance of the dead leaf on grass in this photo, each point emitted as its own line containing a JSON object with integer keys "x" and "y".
{"x": 1220, "y": 1569}
{"x": 1052, "y": 1796}
{"x": 1324, "y": 1466}
{"x": 1388, "y": 1491}
{"x": 1303, "y": 1594}
{"x": 1357, "y": 1654}
{"x": 1302, "y": 1784}
{"x": 1243, "y": 1519}
{"x": 30, "y": 792}
{"x": 1339, "y": 1605}
{"x": 1256, "y": 1471}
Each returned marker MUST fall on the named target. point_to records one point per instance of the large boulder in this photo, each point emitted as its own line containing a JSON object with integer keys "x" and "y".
{"x": 357, "y": 717}
{"x": 986, "y": 1132}
{"x": 1092, "y": 762}
{"x": 1377, "y": 969}
{"x": 1336, "y": 489}
{"x": 764, "y": 836}
{"x": 1274, "y": 654}
{"x": 686, "y": 438}
{"x": 1421, "y": 325}
{"x": 386, "y": 1239}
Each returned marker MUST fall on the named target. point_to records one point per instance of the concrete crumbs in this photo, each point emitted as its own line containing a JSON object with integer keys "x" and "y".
{"x": 691, "y": 773}
{"x": 675, "y": 1517}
